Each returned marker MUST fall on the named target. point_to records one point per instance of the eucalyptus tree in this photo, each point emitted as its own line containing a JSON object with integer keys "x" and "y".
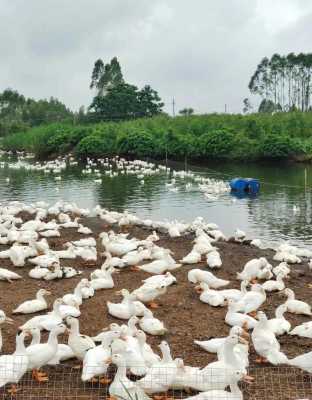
{"x": 106, "y": 76}
{"x": 284, "y": 81}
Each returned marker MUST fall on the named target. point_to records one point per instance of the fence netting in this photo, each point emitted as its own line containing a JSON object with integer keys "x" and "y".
{"x": 64, "y": 382}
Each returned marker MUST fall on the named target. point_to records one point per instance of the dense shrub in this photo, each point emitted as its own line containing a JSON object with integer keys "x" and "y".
{"x": 221, "y": 136}
{"x": 137, "y": 143}
{"x": 280, "y": 146}
{"x": 217, "y": 143}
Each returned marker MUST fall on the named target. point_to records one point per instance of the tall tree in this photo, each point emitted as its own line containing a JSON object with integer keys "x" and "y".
{"x": 118, "y": 100}
{"x": 106, "y": 76}
{"x": 149, "y": 102}
{"x": 126, "y": 101}
{"x": 285, "y": 81}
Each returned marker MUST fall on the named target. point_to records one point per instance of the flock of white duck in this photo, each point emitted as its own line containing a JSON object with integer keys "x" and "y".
{"x": 176, "y": 180}
{"x": 126, "y": 345}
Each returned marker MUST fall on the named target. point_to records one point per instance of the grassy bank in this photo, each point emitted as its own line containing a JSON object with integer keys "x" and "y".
{"x": 213, "y": 136}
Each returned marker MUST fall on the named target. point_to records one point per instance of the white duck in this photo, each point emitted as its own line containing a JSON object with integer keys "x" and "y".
{"x": 120, "y": 247}
{"x": 160, "y": 376}
{"x": 54, "y": 272}
{"x": 122, "y": 388}
{"x": 129, "y": 347}
{"x": 104, "y": 280}
{"x": 161, "y": 280}
{"x": 127, "y": 308}
{"x": 147, "y": 293}
{"x": 296, "y": 306}
{"x": 44, "y": 260}
{"x": 63, "y": 353}
{"x": 84, "y": 230}
{"x": 14, "y": 366}
{"x": 284, "y": 256}
{"x": 105, "y": 331}
{"x": 265, "y": 342}
{"x": 279, "y": 325}
{"x": 70, "y": 310}
{"x": 265, "y": 273}
{"x": 234, "y": 352}
{"x": 40, "y": 354}
{"x": 160, "y": 266}
{"x": 115, "y": 262}
{"x": 234, "y": 394}
{"x": 213, "y": 345}
{"x": 33, "y": 306}
{"x": 210, "y": 296}
{"x": 234, "y": 318}
{"x": 198, "y": 275}
{"x": 252, "y": 300}
{"x": 87, "y": 290}
{"x": 274, "y": 285}
{"x": 303, "y": 330}
{"x": 252, "y": 268}
{"x": 214, "y": 259}
{"x": 191, "y": 258}
{"x": 79, "y": 344}
{"x": 38, "y": 272}
{"x": 151, "y": 325}
{"x": 47, "y": 321}
{"x": 7, "y": 275}
{"x": 283, "y": 269}
{"x": 150, "y": 358}
{"x": 94, "y": 359}
{"x": 136, "y": 256}
{"x": 239, "y": 235}
{"x": 215, "y": 376}
{"x": 304, "y": 362}
{"x": 235, "y": 294}
{"x": 77, "y": 295}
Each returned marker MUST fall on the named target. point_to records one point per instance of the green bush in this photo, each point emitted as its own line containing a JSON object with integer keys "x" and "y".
{"x": 217, "y": 143}
{"x": 280, "y": 146}
{"x": 136, "y": 143}
{"x": 217, "y": 136}
{"x": 96, "y": 145}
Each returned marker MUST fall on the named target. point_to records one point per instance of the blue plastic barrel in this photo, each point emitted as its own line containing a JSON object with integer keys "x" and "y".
{"x": 247, "y": 185}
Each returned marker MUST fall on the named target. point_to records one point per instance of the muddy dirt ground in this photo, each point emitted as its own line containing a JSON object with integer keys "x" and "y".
{"x": 183, "y": 314}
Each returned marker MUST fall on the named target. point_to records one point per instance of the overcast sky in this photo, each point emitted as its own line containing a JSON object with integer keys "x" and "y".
{"x": 200, "y": 52}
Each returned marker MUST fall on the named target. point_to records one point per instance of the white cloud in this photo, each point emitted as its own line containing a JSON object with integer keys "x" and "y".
{"x": 202, "y": 53}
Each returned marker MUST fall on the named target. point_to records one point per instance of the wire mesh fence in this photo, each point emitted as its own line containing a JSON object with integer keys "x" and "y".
{"x": 64, "y": 382}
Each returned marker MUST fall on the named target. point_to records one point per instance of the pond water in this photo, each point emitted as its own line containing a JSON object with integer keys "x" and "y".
{"x": 281, "y": 211}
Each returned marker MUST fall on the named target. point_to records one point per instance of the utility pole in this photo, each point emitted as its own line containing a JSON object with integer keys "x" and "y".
{"x": 173, "y": 107}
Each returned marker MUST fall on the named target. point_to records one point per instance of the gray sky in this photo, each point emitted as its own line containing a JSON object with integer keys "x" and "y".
{"x": 201, "y": 52}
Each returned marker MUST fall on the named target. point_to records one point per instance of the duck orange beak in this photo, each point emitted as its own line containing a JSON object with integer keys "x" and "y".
{"x": 198, "y": 289}
{"x": 245, "y": 335}
{"x": 243, "y": 341}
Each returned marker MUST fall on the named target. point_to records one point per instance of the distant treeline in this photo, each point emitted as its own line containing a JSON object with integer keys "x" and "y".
{"x": 18, "y": 113}
{"x": 211, "y": 136}
{"x": 283, "y": 82}
{"x": 127, "y": 120}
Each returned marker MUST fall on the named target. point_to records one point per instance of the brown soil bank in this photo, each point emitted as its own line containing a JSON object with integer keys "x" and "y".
{"x": 183, "y": 314}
